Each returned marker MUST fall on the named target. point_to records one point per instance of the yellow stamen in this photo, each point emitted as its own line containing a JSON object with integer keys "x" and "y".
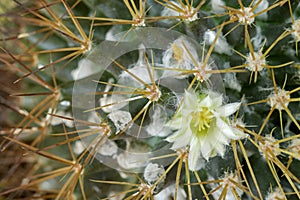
{"x": 201, "y": 120}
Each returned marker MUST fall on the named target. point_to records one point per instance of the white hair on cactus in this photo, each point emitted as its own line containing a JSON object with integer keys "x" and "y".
{"x": 120, "y": 119}
{"x": 263, "y": 5}
{"x": 221, "y": 45}
{"x": 216, "y": 6}
{"x": 153, "y": 172}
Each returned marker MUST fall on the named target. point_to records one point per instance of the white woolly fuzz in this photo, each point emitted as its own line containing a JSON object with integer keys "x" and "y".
{"x": 153, "y": 172}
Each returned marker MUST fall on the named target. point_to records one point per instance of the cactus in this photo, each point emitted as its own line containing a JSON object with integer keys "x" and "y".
{"x": 150, "y": 99}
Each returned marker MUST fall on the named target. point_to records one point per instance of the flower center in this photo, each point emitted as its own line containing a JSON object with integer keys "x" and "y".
{"x": 201, "y": 121}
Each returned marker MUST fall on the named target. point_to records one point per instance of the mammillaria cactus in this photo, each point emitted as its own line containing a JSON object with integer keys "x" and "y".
{"x": 149, "y": 99}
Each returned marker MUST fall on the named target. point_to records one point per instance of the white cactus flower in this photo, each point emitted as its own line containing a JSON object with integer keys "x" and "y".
{"x": 202, "y": 123}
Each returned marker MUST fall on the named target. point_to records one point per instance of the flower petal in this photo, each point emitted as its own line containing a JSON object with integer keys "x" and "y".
{"x": 181, "y": 138}
{"x": 226, "y": 129}
{"x": 194, "y": 154}
{"x": 220, "y": 149}
{"x": 228, "y": 109}
{"x": 178, "y": 121}
{"x": 217, "y": 99}
{"x": 206, "y": 102}
{"x": 190, "y": 102}
{"x": 216, "y": 136}
{"x": 207, "y": 149}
